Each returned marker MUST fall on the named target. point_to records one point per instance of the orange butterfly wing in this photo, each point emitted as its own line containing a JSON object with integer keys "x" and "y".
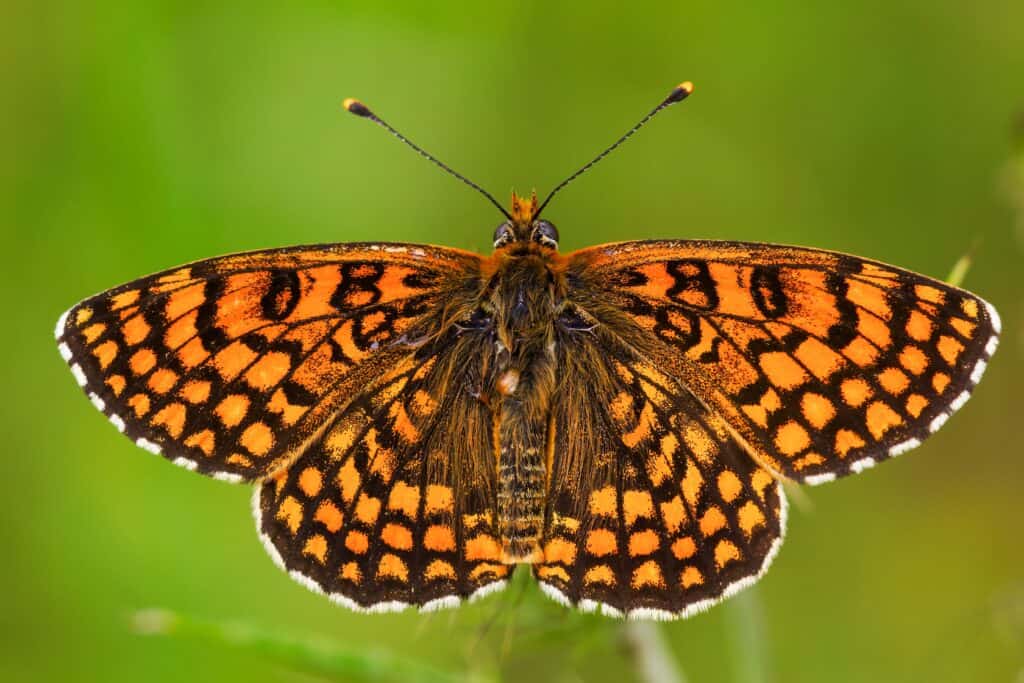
{"x": 822, "y": 364}
{"x": 232, "y": 366}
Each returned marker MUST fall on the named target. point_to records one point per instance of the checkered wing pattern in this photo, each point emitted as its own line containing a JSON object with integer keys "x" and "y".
{"x": 231, "y": 366}
{"x": 821, "y": 364}
{"x": 394, "y": 506}
{"x": 656, "y": 510}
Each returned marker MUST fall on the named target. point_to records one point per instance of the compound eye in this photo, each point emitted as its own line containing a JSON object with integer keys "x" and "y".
{"x": 545, "y": 233}
{"x": 503, "y": 235}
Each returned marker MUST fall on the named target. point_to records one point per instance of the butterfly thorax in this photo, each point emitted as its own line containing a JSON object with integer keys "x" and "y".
{"x": 523, "y": 298}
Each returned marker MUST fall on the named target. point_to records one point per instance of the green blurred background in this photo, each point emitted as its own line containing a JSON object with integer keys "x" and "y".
{"x": 141, "y": 136}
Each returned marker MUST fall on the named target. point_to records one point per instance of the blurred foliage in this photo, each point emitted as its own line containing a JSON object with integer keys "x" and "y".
{"x": 137, "y": 136}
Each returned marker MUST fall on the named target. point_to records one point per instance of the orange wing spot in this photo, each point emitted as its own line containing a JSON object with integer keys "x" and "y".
{"x": 855, "y": 392}
{"x": 405, "y": 499}
{"x": 861, "y": 352}
{"x": 760, "y": 481}
{"x": 357, "y": 542}
{"x": 929, "y": 294}
{"x": 195, "y": 391}
{"x": 940, "y": 381}
{"x": 289, "y": 413}
{"x": 881, "y": 418}
{"x": 684, "y": 548}
{"x": 894, "y": 381}
{"x": 817, "y": 410}
{"x": 482, "y": 547}
{"x": 970, "y": 308}
{"x": 232, "y": 359}
{"x": 423, "y": 403}
{"x": 193, "y": 353}
{"x": 290, "y": 512}
{"x": 181, "y": 330}
{"x": 367, "y": 509}
{"x": 328, "y": 514}
{"x": 913, "y": 359}
{"x": 184, "y": 300}
{"x": 642, "y": 429}
{"x": 552, "y": 572}
{"x": 232, "y": 409}
{"x": 637, "y": 504}
{"x": 868, "y": 297}
{"x": 402, "y": 424}
{"x": 203, "y": 440}
{"x": 949, "y": 349}
{"x": 268, "y": 370}
{"x": 782, "y": 370}
{"x": 105, "y": 353}
{"x": 439, "y": 569}
{"x": 712, "y": 522}
{"x": 116, "y": 383}
{"x": 699, "y": 442}
{"x": 560, "y": 550}
{"x": 350, "y": 572}
{"x": 123, "y": 299}
{"x": 162, "y": 380}
{"x": 919, "y": 326}
{"x": 396, "y": 536}
{"x": 316, "y": 547}
{"x": 726, "y": 552}
{"x": 257, "y": 438}
{"x": 602, "y": 573}
{"x": 439, "y": 539}
{"x": 673, "y": 514}
{"x": 963, "y": 327}
{"x": 603, "y": 502}
{"x": 491, "y": 568}
{"x": 140, "y": 404}
{"x": 83, "y": 316}
{"x": 915, "y": 404}
{"x": 348, "y": 480}
{"x": 439, "y": 499}
{"x": 172, "y": 418}
{"x": 142, "y": 361}
{"x": 391, "y": 566}
{"x": 690, "y": 577}
{"x": 570, "y": 524}
{"x": 692, "y": 484}
{"x": 658, "y": 468}
{"x": 750, "y": 517}
{"x": 643, "y": 543}
{"x": 729, "y": 485}
{"x": 821, "y": 360}
{"x": 757, "y": 414}
{"x": 601, "y": 542}
{"x": 873, "y": 329}
{"x": 239, "y": 459}
{"x": 93, "y": 332}
{"x": 311, "y": 481}
{"x": 791, "y": 438}
{"x": 135, "y": 330}
{"x": 847, "y": 440}
{"x": 807, "y": 460}
{"x": 648, "y": 574}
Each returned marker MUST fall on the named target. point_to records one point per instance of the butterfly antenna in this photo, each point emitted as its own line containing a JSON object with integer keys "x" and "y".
{"x": 359, "y": 109}
{"x": 678, "y": 94}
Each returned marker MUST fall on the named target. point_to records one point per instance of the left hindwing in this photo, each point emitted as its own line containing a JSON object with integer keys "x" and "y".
{"x": 821, "y": 363}
{"x": 233, "y": 365}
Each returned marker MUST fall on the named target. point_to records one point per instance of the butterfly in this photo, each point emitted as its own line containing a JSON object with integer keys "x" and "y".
{"x": 419, "y": 420}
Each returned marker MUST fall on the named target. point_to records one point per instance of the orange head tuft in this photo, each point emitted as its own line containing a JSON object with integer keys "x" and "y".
{"x": 523, "y": 209}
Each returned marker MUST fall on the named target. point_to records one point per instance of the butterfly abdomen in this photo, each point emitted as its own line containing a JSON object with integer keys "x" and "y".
{"x": 522, "y": 296}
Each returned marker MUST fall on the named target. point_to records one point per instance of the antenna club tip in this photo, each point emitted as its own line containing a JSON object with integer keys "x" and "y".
{"x": 680, "y": 92}
{"x": 356, "y": 107}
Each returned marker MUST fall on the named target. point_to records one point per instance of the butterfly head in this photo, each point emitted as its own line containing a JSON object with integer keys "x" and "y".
{"x": 521, "y": 227}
